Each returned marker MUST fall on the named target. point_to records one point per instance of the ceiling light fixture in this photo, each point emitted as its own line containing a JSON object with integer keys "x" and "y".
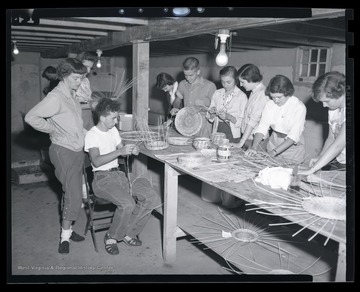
{"x": 15, "y": 49}
{"x": 181, "y": 11}
{"x": 99, "y": 53}
{"x": 222, "y": 59}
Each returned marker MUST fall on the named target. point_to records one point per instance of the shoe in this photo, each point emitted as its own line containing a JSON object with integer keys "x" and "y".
{"x": 111, "y": 248}
{"x": 64, "y": 247}
{"x": 133, "y": 241}
{"x": 76, "y": 237}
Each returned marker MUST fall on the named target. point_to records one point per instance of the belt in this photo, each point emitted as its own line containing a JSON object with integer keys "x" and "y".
{"x": 111, "y": 169}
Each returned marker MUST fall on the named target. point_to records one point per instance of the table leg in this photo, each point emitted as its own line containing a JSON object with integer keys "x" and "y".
{"x": 341, "y": 264}
{"x": 170, "y": 213}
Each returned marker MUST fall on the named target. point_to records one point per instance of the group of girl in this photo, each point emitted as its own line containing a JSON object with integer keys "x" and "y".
{"x": 272, "y": 118}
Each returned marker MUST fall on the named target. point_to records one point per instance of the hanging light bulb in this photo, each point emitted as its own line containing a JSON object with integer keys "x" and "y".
{"x": 99, "y": 53}
{"x": 222, "y": 58}
{"x": 15, "y": 50}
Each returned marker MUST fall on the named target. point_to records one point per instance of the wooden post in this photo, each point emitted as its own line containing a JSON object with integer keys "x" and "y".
{"x": 341, "y": 263}
{"x": 140, "y": 93}
{"x": 170, "y": 213}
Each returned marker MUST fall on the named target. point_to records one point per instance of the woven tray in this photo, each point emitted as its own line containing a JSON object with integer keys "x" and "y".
{"x": 188, "y": 123}
{"x": 179, "y": 140}
{"x": 191, "y": 159}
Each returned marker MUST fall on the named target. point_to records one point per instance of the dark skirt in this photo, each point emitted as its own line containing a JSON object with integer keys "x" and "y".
{"x": 225, "y": 128}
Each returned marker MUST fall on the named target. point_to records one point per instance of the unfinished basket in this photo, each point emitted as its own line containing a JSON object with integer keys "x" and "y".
{"x": 188, "y": 123}
{"x": 156, "y": 145}
{"x": 191, "y": 159}
{"x": 135, "y": 136}
{"x": 217, "y": 138}
{"x": 201, "y": 143}
{"x": 179, "y": 140}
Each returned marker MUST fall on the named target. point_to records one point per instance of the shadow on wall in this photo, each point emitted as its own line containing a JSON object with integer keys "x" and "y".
{"x": 30, "y": 138}
{"x": 159, "y": 97}
{"x": 318, "y": 114}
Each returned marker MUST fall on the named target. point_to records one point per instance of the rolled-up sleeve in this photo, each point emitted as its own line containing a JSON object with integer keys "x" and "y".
{"x": 37, "y": 116}
{"x": 265, "y": 120}
{"x": 256, "y": 112}
{"x": 298, "y": 117}
{"x": 241, "y": 110}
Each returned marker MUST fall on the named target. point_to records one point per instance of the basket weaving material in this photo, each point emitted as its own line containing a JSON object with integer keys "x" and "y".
{"x": 326, "y": 207}
{"x": 191, "y": 159}
{"x": 217, "y": 138}
{"x": 135, "y": 136}
{"x": 179, "y": 140}
{"x": 156, "y": 145}
{"x": 201, "y": 143}
{"x": 188, "y": 123}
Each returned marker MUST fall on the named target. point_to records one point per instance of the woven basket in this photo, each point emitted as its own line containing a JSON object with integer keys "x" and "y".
{"x": 179, "y": 140}
{"x": 156, "y": 145}
{"x": 217, "y": 138}
{"x": 135, "y": 136}
{"x": 201, "y": 143}
{"x": 188, "y": 123}
{"x": 191, "y": 159}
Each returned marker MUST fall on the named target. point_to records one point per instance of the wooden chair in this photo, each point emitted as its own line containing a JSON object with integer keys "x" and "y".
{"x": 99, "y": 212}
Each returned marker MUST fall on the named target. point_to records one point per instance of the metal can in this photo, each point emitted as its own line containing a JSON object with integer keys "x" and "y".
{"x": 223, "y": 151}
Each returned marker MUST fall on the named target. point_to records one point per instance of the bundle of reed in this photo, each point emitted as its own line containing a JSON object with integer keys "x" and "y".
{"x": 117, "y": 87}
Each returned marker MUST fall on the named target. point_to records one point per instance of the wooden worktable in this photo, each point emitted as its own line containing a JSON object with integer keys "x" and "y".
{"x": 232, "y": 178}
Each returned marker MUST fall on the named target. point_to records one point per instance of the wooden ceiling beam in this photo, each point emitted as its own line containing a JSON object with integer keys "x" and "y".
{"x": 87, "y": 25}
{"x": 45, "y": 39}
{"x": 44, "y": 34}
{"x": 169, "y": 29}
{"x": 60, "y": 30}
{"x": 298, "y": 29}
{"x": 276, "y": 37}
{"x": 123, "y": 20}
{"x": 22, "y": 41}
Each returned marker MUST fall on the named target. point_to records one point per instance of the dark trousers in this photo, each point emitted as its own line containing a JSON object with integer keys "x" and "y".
{"x": 68, "y": 166}
{"x": 133, "y": 208}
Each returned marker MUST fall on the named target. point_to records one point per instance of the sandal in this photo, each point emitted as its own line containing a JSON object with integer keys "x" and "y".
{"x": 133, "y": 241}
{"x": 111, "y": 248}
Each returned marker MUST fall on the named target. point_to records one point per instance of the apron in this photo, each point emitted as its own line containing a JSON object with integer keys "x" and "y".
{"x": 223, "y": 127}
{"x": 295, "y": 153}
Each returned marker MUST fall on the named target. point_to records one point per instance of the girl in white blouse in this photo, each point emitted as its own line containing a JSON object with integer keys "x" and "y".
{"x": 250, "y": 78}
{"x": 330, "y": 89}
{"x": 227, "y": 106}
{"x": 167, "y": 83}
{"x": 285, "y": 115}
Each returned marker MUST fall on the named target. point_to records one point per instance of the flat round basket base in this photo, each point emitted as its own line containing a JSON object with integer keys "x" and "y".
{"x": 191, "y": 159}
{"x": 179, "y": 140}
{"x": 188, "y": 123}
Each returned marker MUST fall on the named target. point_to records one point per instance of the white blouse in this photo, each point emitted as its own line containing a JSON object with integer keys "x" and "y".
{"x": 336, "y": 119}
{"x": 173, "y": 91}
{"x": 288, "y": 119}
{"x": 233, "y": 104}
